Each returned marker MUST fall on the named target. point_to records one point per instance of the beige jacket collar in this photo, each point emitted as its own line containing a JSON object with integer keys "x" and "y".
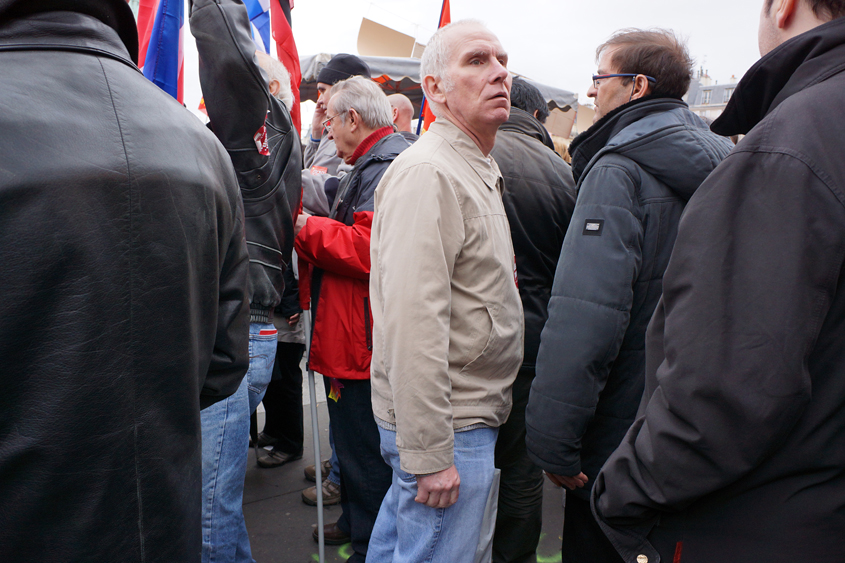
{"x": 484, "y": 166}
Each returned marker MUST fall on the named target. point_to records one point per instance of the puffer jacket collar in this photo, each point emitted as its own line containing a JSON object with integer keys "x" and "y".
{"x": 523, "y": 122}
{"x": 66, "y": 26}
{"x": 801, "y": 62}
{"x": 586, "y": 145}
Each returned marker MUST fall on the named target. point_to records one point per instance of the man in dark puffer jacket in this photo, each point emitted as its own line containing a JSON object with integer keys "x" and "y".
{"x": 636, "y": 167}
{"x": 538, "y": 197}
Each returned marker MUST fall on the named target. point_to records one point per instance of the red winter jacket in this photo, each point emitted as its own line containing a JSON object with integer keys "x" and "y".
{"x": 341, "y": 342}
{"x": 338, "y": 249}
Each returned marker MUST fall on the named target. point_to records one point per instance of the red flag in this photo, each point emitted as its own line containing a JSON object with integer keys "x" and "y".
{"x": 286, "y": 51}
{"x": 146, "y": 17}
{"x": 445, "y": 19}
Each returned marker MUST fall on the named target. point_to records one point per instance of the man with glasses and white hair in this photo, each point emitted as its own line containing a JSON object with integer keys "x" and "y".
{"x": 360, "y": 122}
{"x": 448, "y": 323}
{"x": 635, "y": 169}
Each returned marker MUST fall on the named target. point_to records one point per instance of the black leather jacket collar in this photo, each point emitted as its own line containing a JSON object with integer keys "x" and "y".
{"x": 115, "y": 14}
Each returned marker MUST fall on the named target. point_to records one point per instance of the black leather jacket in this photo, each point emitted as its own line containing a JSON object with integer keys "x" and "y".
{"x": 123, "y": 307}
{"x": 239, "y": 105}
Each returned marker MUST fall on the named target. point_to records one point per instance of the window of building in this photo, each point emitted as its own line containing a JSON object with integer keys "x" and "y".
{"x": 705, "y": 97}
{"x": 728, "y": 93}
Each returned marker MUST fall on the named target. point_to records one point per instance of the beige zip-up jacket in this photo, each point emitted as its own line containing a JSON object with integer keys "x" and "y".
{"x": 447, "y": 318}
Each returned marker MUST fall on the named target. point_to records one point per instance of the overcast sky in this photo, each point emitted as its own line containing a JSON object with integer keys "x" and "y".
{"x": 550, "y": 41}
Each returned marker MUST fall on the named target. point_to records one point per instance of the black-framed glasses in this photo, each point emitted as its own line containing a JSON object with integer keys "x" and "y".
{"x": 597, "y": 77}
{"x": 327, "y": 123}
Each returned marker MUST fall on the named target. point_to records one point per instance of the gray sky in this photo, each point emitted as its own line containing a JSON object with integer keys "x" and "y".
{"x": 551, "y": 41}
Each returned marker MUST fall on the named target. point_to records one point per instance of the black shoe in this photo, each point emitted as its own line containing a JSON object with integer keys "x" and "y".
{"x": 276, "y": 458}
{"x": 332, "y": 535}
{"x": 265, "y": 440}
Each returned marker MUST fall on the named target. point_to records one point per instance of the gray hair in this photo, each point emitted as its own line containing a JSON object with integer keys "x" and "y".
{"x": 366, "y": 97}
{"x": 436, "y": 58}
{"x": 276, "y": 71}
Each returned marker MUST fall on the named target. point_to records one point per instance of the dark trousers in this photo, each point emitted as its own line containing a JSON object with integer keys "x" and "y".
{"x": 364, "y": 475}
{"x": 583, "y": 540}
{"x": 520, "y": 515}
{"x": 283, "y": 400}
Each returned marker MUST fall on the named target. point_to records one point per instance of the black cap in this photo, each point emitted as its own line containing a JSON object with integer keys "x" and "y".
{"x": 341, "y": 67}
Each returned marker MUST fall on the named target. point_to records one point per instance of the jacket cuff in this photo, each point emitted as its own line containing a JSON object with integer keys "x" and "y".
{"x": 259, "y": 314}
{"x": 426, "y": 462}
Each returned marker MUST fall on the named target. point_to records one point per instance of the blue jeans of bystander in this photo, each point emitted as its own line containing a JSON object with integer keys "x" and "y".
{"x": 225, "y": 442}
{"x": 409, "y": 532}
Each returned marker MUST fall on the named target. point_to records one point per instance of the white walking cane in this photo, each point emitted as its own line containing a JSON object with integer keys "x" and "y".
{"x": 315, "y": 431}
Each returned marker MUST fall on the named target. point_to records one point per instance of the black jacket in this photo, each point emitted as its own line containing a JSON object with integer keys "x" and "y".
{"x": 123, "y": 307}
{"x": 539, "y": 197}
{"x": 239, "y": 105}
{"x": 636, "y": 169}
{"x": 739, "y": 451}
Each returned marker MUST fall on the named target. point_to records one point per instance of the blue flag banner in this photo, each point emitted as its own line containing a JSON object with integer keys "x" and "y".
{"x": 163, "y": 64}
{"x": 259, "y": 17}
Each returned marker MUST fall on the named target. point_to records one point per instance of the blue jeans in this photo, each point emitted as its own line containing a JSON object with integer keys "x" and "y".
{"x": 409, "y": 532}
{"x": 225, "y": 442}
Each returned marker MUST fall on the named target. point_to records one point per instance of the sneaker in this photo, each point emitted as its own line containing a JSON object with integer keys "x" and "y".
{"x": 331, "y": 494}
{"x": 311, "y": 471}
{"x": 332, "y": 535}
{"x": 275, "y": 458}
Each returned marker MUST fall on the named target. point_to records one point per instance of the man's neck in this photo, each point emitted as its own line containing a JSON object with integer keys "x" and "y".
{"x": 484, "y": 140}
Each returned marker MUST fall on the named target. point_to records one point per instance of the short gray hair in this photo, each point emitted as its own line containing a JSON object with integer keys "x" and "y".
{"x": 366, "y": 97}
{"x": 436, "y": 58}
{"x": 276, "y": 71}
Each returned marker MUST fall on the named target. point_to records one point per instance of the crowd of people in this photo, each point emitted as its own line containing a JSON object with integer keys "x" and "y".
{"x": 657, "y": 328}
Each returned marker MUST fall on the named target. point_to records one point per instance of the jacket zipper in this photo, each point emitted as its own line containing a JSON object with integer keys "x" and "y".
{"x": 367, "y": 324}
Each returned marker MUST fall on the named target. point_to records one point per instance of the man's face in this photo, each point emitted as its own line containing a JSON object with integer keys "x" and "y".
{"x": 324, "y": 92}
{"x": 479, "y": 91}
{"x": 344, "y": 138}
{"x": 611, "y": 92}
{"x": 767, "y": 37}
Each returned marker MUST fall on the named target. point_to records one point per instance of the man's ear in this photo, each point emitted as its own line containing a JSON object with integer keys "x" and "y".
{"x": 642, "y": 87}
{"x": 436, "y": 90}
{"x": 395, "y": 113}
{"x": 784, "y": 12}
{"x": 274, "y": 87}
{"x": 354, "y": 119}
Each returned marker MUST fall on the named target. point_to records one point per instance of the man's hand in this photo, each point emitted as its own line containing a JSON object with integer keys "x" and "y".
{"x": 570, "y": 483}
{"x": 300, "y": 222}
{"x": 317, "y": 121}
{"x": 439, "y": 490}
{"x": 293, "y": 319}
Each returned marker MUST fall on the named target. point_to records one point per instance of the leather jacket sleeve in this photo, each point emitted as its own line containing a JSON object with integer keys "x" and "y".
{"x": 230, "y": 357}
{"x": 258, "y": 134}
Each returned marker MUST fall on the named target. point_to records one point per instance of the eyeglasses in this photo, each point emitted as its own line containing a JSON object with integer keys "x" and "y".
{"x": 327, "y": 123}
{"x": 597, "y": 77}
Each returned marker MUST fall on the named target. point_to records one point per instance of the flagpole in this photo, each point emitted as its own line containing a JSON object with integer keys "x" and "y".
{"x": 440, "y": 23}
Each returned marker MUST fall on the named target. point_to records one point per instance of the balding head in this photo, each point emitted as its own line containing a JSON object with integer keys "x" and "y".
{"x": 403, "y": 111}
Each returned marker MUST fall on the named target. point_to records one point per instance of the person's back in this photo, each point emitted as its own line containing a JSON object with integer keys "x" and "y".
{"x": 123, "y": 308}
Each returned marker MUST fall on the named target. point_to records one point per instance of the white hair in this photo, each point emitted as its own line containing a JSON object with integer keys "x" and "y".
{"x": 366, "y": 97}
{"x": 436, "y": 58}
{"x": 276, "y": 71}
